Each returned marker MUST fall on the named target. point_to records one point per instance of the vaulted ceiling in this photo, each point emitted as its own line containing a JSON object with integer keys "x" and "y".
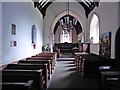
{"x": 88, "y": 5}
{"x": 85, "y": 5}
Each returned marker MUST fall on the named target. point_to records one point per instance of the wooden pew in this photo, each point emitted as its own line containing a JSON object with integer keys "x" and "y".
{"x": 37, "y": 62}
{"x": 91, "y": 64}
{"x": 110, "y": 80}
{"x": 25, "y": 66}
{"x": 23, "y": 76}
{"x": 17, "y": 85}
{"x": 43, "y": 58}
{"x": 50, "y": 57}
{"x": 78, "y": 59}
{"x": 49, "y": 54}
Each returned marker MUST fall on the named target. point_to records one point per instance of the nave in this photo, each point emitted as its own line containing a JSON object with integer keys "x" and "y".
{"x": 28, "y": 29}
{"x": 46, "y": 71}
{"x": 66, "y": 76}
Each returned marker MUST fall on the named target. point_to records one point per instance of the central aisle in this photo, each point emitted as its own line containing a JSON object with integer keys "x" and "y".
{"x": 66, "y": 76}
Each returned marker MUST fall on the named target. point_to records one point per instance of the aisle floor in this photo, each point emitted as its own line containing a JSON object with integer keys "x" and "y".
{"x": 67, "y": 76}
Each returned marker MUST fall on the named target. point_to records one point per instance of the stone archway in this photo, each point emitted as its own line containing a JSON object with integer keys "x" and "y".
{"x": 72, "y": 13}
{"x": 117, "y": 48}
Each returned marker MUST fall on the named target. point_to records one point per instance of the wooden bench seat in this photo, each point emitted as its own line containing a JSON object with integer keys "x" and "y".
{"x": 110, "y": 80}
{"x": 28, "y": 66}
{"x": 43, "y": 58}
{"x": 30, "y": 61}
{"x": 40, "y": 57}
{"x": 91, "y": 66}
{"x": 53, "y": 55}
{"x": 78, "y": 58}
{"x": 17, "y": 85}
{"x": 23, "y": 76}
{"x": 90, "y": 63}
{"x": 47, "y": 55}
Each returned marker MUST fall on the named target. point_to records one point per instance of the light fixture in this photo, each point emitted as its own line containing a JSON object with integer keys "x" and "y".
{"x": 68, "y": 22}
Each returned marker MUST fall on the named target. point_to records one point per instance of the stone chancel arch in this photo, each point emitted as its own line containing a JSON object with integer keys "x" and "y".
{"x": 73, "y": 14}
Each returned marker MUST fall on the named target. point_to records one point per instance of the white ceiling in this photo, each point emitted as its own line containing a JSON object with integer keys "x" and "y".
{"x": 58, "y": 7}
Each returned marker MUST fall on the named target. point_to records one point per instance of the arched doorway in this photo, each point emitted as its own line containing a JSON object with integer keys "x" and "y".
{"x": 117, "y": 48}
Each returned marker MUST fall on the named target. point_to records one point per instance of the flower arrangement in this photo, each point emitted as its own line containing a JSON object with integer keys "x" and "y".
{"x": 45, "y": 47}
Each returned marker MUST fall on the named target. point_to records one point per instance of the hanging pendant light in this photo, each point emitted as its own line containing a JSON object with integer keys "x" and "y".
{"x": 67, "y": 23}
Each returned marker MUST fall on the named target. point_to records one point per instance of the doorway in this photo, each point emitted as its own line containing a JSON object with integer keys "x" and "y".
{"x": 117, "y": 48}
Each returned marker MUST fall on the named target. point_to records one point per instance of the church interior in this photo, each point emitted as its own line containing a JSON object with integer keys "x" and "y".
{"x": 59, "y": 44}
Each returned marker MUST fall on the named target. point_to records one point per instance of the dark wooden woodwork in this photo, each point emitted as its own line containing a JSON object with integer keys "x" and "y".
{"x": 17, "y": 85}
{"x": 117, "y": 48}
{"x": 43, "y": 58}
{"x": 37, "y": 62}
{"x": 66, "y": 47}
{"x": 53, "y": 56}
{"x": 110, "y": 80}
{"x": 24, "y": 66}
{"x": 88, "y": 8}
{"x": 89, "y": 63}
{"x": 23, "y": 76}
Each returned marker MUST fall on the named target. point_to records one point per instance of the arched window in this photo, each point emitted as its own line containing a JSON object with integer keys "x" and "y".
{"x": 65, "y": 36}
{"x": 94, "y": 29}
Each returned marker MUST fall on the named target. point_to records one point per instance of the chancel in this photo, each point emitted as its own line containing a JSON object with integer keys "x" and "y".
{"x": 60, "y": 44}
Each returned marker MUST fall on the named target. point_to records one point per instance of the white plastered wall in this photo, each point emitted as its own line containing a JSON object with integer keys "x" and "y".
{"x": 23, "y": 15}
{"x": 0, "y": 32}
{"x": 108, "y": 16}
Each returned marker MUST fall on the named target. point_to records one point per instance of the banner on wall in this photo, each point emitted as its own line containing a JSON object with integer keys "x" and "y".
{"x": 34, "y": 36}
{"x": 105, "y": 44}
